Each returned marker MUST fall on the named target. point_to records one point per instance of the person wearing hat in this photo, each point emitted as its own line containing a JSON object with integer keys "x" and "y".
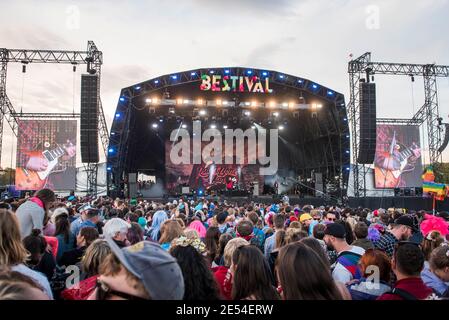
{"x": 401, "y": 230}
{"x": 143, "y": 271}
{"x": 75, "y": 226}
{"x": 308, "y": 223}
{"x": 345, "y": 267}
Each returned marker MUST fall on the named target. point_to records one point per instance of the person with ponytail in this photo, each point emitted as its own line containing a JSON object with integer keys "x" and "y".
{"x": 40, "y": 259}
{"x": 32, "y": 214}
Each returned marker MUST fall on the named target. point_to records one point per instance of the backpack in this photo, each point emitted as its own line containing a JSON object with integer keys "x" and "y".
{"x": 403, "y": 294}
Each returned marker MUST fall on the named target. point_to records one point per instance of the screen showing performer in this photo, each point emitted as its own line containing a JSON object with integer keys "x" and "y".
{"x": 46, "y": 154}
{"x": 397, "y": 162}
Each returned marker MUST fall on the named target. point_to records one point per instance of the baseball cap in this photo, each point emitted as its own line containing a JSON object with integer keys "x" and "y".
{"x": 157, "y": 269}
{"x": 336, "y": 230}
{"x": 305, "y": 217}
{"x": 85, "y": 207}
{"x": 405, "y": 221}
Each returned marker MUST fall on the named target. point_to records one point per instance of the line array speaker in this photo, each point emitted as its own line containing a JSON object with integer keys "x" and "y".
{"x": 367, "y": 129}
{"x": 89, "y": 118}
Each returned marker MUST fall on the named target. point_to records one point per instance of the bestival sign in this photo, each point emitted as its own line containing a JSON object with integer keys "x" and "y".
{"x": 235, "y": 84}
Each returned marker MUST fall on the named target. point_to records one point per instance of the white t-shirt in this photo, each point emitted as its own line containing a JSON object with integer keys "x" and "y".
{"x": 38, "y": 277}
{"x": 340, "y": 273}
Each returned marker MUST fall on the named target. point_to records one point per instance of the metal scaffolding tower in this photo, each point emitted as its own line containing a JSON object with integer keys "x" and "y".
{"x": 92, "y": 57}
{"x": 361, "y": 69}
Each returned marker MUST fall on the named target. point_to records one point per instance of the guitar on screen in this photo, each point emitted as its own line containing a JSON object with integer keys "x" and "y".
{"x": 40, "y": 165}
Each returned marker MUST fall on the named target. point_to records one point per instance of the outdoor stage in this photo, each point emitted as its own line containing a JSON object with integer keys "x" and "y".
{"x": 159, "y": 120}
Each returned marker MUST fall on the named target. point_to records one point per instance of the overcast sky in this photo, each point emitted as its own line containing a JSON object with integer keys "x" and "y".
{"x": 144, "y": 39}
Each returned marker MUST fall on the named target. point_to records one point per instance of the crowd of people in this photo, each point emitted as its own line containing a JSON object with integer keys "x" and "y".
{"x": 79, "y": 248}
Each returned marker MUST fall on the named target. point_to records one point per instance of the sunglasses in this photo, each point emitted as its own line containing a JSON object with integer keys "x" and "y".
{"x": 331, "y": 219}
{"x": 104, "y": 292}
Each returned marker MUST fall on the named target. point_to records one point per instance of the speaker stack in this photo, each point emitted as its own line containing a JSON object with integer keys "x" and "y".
{"x": 367, "y": 129}
{"x": 89, "y": 118}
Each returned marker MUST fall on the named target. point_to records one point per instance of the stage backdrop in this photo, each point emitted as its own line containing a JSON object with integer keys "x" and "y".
{"x": 209, "y": 176}
{"x": 46, "y": 154}
{"x": 398, "y": 161}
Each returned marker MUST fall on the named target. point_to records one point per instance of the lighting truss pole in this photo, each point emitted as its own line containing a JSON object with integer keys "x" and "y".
{"x": 363, "y": 68}
{"x": 92, "y": 57}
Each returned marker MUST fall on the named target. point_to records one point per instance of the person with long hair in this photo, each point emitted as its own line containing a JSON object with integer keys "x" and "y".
{"x": 303, "y": 275}
{"x": 170, "y": 230}
{"x": 16, "y": 286}
{"x": 66, "y": 239}
{"x": 13, "y": 253}
{"x": 199, "y": 282}
{"x": 252, "y": 278}
{"x": 33, "y": 213}
{"x": 222, "y": 242}
{"x": 212, "y": 242}
{"x": 154, "y": 233}
{"x": 85, "y": 237}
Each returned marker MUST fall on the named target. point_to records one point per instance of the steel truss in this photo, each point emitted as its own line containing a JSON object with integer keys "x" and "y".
{"x": 92, "y": 57}
{"x": 361, "y": 69}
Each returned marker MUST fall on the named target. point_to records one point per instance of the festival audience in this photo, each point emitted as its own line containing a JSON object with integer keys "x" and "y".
{"x": 211, "y": 250}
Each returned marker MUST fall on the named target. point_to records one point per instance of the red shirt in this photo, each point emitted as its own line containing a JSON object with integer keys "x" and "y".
{"x": 414, "y": 286}
{"x": 224, "y": 280}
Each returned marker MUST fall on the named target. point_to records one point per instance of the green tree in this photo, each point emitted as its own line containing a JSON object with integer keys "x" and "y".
{"x": 7, "y": 176}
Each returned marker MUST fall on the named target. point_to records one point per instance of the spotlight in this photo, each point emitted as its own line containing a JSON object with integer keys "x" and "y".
{"x": 247, "y": 103}
{"x": 202, "y": 112}
{"x": 122, "y": 99}
{"x": 319, "y": 106}
{"x": 253, "y": 127}
{"x": 272, "y": 104}
{"x": 148, "y": 101}
{"x": 285, "y": 104}
{"x": 186, "y": 101}
{"x": 111, "y": 150}
{"x": 155, "y": 125}
{"x": 154, "y": 101}
{"x": 174, "y": 77}
{"x": 281, "y": 127}
{"x": 276, "y": 114}
{"x": 227, "y": 71}
{"x": 291, "y": 105}
{"x": 179, "y": 101}
{"x": 156, "y": 81}
{"x": 225, "y": 103}
{"x": 199, "y": 102}
{"x": 193, "y": 74}
{"x": 225, "y": 126}
{"x": 264, "y": 73}
{"x": 254, "y": 103}
{"x": 184, "y": 126}
{"x": 247, "y": 113}
{"x": 218, "y": 102}
{"x": 117, "y": 115}
{"x": 213, "y": 126}
{"x": 138, "y": 88}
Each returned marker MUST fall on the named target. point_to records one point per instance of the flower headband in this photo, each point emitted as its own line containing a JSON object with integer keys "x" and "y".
{"x": 195, "y": 242}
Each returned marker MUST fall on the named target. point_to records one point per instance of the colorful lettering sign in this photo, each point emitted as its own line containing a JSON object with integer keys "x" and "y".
{"x": 235, "y": 84}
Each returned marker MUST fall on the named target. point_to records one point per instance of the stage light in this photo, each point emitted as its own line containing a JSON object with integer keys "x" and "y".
{"x": 247, "y": 113}
{"x": 281, "y": 76}
{"x": 249, "y": 72}
{"x": 285, "y": 104}
{"x": 319, "y": 106}
{"x": 225, "y": 126}
{"x": 272, "y": 104}
{"x": 148, "y": 101}
{"x": 174, "y": 77}
{"x": 281, "y": 127}
{"x": 154, "y": 100}
{"x": 347, "y": 136}
{"x": 109, "y": 168}
{"x": 172, "y": 110}
{"x": 212, "y": 71}
{"x": 117, "y": 115}
{"x": 253, "y": 127}
{"x": 122, "y": 99}
{"x": 225, "y": 103}
{"x": 218, "y": 102}
{"x": 193, "y": 74}
{"x": 347, "y": 168}
{"x": 200, "y": 192}
{"x": 347, "y": 151}
{"x": 265, "y": 73}
{"x": 161, "y": 120}
{"x": 186, "y": 101}
{"x": 345, "y": 119}
{"x": 179, "y": 101}
{"x": 156, "y": 81}
{"x": 300, "y": 81}
{"x": 155, "y": 125}
{"x": 330, "y": 93}
{"x": 226, "y": 71}
{"x": 247, "y": 104}
{"x": 184, "y": 126}
{"x": 291, "y": 105}
{"x": 213, "y": 126}
{"x": 202, "y": 112}
{"x": 314, "y": 86}
{"x": 254, "y": 103}
{"x": 138, "y": 88}
{"x": 111, "y": 150}
{"x": 112, "y": 133}
{"x": 199, "y": 102}
{"x": 276, "y": 114}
